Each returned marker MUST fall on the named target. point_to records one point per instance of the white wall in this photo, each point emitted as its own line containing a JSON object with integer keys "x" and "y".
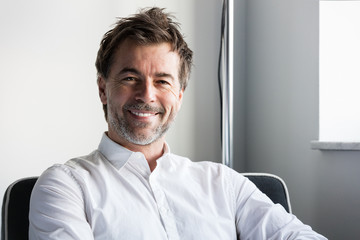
{"x": 282, "y": 117}
{"x": 49, "y": 104}
{"x": 49, "y": 107}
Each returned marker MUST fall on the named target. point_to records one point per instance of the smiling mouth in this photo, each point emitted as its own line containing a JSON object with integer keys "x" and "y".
{"x": 143, "y": 110}
{"x": 143, "y": 114}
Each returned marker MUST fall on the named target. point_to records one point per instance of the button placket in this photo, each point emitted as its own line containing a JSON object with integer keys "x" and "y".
{"x": 165, "y": 213}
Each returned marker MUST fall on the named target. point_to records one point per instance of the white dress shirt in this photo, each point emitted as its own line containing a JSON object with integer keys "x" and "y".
{"x": 112, "y": 194}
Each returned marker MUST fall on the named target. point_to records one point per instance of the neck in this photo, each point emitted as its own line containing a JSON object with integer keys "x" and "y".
{"x": 152, "y": 151}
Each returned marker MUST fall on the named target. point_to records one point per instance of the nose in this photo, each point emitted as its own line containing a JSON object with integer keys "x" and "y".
{"x": 146, "y": 92}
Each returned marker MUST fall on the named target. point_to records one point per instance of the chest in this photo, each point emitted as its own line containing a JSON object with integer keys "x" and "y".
{"x": 131, "y": 206}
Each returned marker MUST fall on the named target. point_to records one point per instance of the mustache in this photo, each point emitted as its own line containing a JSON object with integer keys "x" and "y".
{"x": 143, "y": 107}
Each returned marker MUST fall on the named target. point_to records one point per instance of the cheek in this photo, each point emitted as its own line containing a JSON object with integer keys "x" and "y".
{"x": 117, "y": 99}
{"x": 173, "y": 92}
{"x": 171, "y": 103}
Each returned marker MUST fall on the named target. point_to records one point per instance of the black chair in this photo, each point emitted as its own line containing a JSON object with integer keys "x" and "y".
{"x": 273, "y": 186}
{"x": 15, "y": 208}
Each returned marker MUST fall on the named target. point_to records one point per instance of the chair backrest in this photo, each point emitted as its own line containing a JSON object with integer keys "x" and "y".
{"x": 273, "y": 186}
{"x": 15, "y": 210}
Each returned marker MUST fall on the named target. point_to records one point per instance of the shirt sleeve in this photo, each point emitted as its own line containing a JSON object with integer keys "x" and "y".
{"x": 257, "y": 217}
{"x": 57, "y": 208}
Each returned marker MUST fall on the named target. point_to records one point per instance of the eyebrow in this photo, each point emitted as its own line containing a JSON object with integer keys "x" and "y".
{"x": 166, "y": 75}
{"x": 129, "y": 70}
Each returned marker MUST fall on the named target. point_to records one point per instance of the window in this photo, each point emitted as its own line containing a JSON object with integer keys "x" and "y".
{"x": 339, "y": 72}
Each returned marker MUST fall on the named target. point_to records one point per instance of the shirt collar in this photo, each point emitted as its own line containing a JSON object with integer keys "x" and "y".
{"x": 117, "y": 154}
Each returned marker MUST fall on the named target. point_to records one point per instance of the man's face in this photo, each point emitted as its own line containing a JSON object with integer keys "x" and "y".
{"x": 142, "y": 92}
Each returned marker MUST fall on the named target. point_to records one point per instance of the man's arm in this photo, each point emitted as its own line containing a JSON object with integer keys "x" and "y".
{"x": 57, "y": 208}
{"x": 258, "y": 218}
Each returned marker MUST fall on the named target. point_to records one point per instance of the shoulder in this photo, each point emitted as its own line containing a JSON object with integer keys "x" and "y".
{"x": 206, "y": 169}
{"x": 71, "y": 172}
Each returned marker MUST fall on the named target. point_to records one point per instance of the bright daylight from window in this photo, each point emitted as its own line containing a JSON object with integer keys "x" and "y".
{"x": 339, "y": 71}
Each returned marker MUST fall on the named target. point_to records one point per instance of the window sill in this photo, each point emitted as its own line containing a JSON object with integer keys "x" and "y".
{"x": 337, "y": 146}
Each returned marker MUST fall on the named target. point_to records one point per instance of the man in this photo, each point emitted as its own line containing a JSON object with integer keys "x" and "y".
{"x": 132, "y": 186}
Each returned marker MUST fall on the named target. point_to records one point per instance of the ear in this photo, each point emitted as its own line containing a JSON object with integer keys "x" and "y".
{"x": 102, "y": 90}
{"x": 181, "y": 94}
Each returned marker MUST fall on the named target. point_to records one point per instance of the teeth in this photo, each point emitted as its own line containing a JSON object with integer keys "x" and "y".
{"x": 142, "y": 114}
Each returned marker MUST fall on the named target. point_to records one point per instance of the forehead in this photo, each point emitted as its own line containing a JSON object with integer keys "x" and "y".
{"x": 150, "y": 56}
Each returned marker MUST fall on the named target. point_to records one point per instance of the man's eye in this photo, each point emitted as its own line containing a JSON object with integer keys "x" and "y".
{"x": 129, "y": 79}
{"x": 163, "y": 82}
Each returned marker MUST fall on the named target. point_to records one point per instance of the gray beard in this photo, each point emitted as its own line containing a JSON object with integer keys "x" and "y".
{"x": 123, "y": 130}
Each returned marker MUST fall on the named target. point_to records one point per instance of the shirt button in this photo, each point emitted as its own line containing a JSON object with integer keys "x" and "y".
{"x": 164, "y": 210}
